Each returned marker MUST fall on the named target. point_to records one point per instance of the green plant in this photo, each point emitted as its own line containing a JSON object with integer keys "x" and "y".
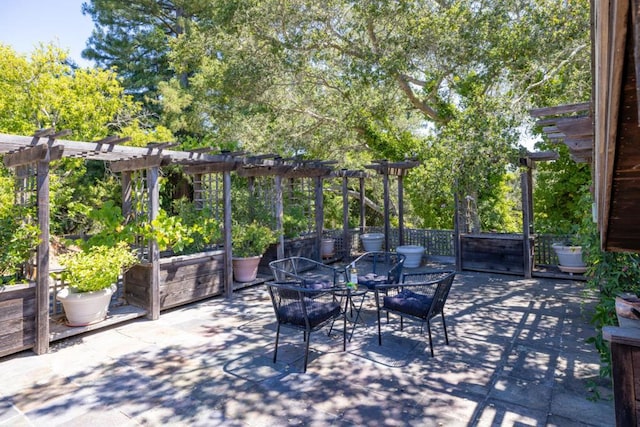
{"x": 18, "y": 239}
{"x": 610, "y": 274}
{"x": 190, "y": 231}
{"x": 96, "y": 268}
{"x": 295, "y": 222}
{"x": 251, "y": 239}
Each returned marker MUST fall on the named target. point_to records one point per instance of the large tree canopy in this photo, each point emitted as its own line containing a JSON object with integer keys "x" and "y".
{"x": 354, "y": 81}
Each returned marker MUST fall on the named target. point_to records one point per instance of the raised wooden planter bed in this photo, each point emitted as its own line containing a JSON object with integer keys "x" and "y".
{"x": 183, "y": 279}
{"x": 493, "y": 252}
{"x": 17, "y": 317}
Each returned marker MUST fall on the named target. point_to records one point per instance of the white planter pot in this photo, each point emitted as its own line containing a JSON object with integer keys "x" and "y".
{"x": 327, "y": 247}
{"x": 246, "y": 269}
{"x": 372, "y": 241}
{"x": 413, "y": 254}
{"x": 85, "y": 308}
{"x": 569, "y": 256}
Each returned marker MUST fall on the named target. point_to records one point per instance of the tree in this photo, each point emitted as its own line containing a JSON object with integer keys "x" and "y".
{"x": 44, "y": 91}
{"x": 353, "y": 81}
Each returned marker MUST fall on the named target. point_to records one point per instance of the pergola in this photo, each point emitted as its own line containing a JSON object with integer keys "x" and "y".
{"x": 139, "y": 169}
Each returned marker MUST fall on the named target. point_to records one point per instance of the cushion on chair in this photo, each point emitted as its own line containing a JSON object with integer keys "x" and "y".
{"x": 317, "y": 283}
{"x": 317, "y": 311}
{"x": 371, "y": 280}
{"x": 408, "y": 302}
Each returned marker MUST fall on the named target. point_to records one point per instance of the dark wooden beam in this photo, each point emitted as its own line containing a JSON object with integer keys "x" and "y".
{"x": 136, "y": 163}
{"x": 32, "y": 155}
{"x": 560, "y": 109}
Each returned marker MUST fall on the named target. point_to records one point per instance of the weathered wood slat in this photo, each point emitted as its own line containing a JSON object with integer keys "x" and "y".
{"x": 17, "y": 318}
{"x": 493, "y": 253}
{"x": 181, "y": 280}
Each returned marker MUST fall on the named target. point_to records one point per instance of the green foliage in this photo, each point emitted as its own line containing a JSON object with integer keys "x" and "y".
{"x": 251, "y": 239}
{"x": 610, "y": 274}
{"x": 19, "y": 237}
{"x": 189, "y": 231}
{"x": 203, "y": 230}
{"x": 97, "y": 267}
{"x": 558, "y": 193}
{"x": 294, "y": 220}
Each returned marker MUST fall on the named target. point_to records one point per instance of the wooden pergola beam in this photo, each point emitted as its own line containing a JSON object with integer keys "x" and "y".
{"x": 136, "y": 163}
{"x": 33, "y": 154}
{"x": 560, "y": 109}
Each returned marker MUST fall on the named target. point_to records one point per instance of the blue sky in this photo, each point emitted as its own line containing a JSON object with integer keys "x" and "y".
{"x": 26, "y": 23}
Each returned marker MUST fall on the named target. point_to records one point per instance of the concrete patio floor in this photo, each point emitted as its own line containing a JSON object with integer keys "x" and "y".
{"x": 517, "y": 357}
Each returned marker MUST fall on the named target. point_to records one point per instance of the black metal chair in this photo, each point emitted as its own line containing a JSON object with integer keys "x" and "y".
{"x": 420, "y": 296}
{"x": 377, "y": 268}
{"x": 312, "y": 274}
{"x": 302, "y": 308}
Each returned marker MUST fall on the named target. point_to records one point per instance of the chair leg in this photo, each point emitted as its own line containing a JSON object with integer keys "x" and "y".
{"x": 306, "y": 353}
{"x": 444, "y": 324}
{"x": 275, "y": 352}
{"x": 379, "y": 332}
{"x": 430, "y": 341}
{"x": 344, "y": 332}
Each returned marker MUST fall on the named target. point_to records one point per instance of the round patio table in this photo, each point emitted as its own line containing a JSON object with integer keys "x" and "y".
{"x": 353, "y": 305}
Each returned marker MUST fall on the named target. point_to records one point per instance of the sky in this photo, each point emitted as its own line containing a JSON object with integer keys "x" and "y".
{"x": 26, "y": 23}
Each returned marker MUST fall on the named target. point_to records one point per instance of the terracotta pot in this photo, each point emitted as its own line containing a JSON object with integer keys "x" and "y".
{"x": 246, "y": 269}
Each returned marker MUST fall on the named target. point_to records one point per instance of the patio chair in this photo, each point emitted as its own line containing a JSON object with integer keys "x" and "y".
{"x": 312, "y": 274}
{"x": 420, "y": 296}
{"x": 377, "y": 268}
{"x": 305, "y": 309}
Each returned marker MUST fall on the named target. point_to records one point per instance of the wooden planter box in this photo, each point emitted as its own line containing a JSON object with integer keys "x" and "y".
{"x": 17, "y": 318}
{"x": 299, "y": 246}
{"x": 493, "y": 252}
{"x": 183, "y": 279}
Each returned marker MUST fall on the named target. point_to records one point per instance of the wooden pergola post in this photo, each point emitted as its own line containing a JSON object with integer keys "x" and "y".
{"x": 41, "y": 344}
{"x": 228, "y": 261}
{"x": 363, "y": 219}
{"x": 400, "y": 210}
{"x": 279, "y": 216}
{"x": 319, "y": 214}
{"x": 153, "y": 187}
{"x": 345, "y": 213}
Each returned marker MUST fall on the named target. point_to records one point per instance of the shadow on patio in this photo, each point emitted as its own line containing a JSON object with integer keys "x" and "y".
{"x": 517, "y": 356}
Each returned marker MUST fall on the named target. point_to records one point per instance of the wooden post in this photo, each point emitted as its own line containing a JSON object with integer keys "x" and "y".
{"x": 319, "y": 216}
{"x": 279, "y": 217}
{"x": 387, "y": 227}
{"x": 526, "y": 228}
{"x": 456, "y": 231}
{"x": 400, "y": 211}
{"x": 153, "y": 187}
{"x": 251, "y": 186}
{"x": 345, "y": 215}
{"x": 363, "y": 212}
{"x": 228, "y": 264}
{"x": 41, "y": 344}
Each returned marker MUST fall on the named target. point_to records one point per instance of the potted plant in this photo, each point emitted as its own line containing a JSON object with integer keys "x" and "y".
{"x": 569, "y": 257}
{"x": 91, "y": 275}
{"x": 249, "y": 242}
